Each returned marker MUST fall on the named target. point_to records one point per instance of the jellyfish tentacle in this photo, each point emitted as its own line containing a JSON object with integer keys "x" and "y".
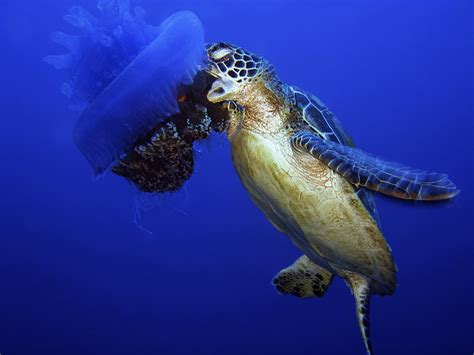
{"x": 81, "y": 18}
{"x": 62, "y": 61}
{"x": 70, "y": 42}
{"x": 106, "y": 45}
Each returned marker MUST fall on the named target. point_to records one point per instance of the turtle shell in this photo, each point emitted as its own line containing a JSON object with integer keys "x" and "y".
{"x": 320, "y": 119}
{"x": 323, "y": 122}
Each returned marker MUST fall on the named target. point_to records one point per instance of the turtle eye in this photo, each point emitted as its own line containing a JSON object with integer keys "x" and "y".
{"x": 221, "y": 54}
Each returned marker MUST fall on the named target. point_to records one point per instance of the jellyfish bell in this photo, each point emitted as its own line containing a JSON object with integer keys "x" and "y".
{"x": 143, "y": 94}
{"x": 139, "y": 89}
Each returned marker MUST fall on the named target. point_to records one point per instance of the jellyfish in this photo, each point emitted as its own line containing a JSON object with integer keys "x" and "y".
{"x": 139, "y": 91}
{"x": 164, "y": 159}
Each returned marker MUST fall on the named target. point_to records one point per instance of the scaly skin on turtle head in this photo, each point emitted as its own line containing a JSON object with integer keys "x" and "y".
{"x": 248, "y": 87}
{"x": 234, "y": 69}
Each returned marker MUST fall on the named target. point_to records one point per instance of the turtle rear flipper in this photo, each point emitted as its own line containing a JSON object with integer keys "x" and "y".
{"x": 360, "y": 287}
{"x": 366, "y": 170}
{"x": 303, "y": 279}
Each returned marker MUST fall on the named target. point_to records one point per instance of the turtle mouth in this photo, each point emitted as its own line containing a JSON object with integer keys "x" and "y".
{"x": 220, "y": 90}
{"x": 222, "y": 87}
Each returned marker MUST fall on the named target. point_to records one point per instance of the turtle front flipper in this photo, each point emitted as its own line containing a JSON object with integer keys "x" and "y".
{"x": 366, "y": 170}
{"x": 303, "y": 279}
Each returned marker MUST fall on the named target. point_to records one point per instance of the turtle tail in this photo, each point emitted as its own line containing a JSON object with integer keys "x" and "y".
{"x": 360, "y": 286}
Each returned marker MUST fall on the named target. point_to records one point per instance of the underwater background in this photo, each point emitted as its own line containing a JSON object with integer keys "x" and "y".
{"x": 81, "y": 273}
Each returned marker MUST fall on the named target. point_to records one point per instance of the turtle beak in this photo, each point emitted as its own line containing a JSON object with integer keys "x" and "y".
{"x": 221, "y": 87}
{"x": 220, "y": 90}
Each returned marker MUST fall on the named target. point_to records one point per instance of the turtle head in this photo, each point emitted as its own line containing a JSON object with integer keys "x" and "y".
{"x": 234, "y": 69}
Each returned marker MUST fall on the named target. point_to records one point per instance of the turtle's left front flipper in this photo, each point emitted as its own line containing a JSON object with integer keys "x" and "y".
{"x": 366, "y": 170}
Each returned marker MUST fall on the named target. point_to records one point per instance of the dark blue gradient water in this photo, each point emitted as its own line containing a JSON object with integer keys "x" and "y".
{"x": 77, "y": 276}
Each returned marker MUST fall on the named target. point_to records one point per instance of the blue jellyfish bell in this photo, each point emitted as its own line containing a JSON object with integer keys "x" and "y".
{"x": 135, "y": 88}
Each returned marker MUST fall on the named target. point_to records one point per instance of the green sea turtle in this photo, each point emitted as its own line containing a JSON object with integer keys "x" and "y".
{"x": 301, "y": 169}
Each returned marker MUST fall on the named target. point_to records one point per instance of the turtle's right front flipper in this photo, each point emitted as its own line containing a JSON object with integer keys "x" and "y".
{"x": 366, "y": 170}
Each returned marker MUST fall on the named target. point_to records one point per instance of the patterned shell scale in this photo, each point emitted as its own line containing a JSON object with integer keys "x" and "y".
{"x": 327, "y": 126}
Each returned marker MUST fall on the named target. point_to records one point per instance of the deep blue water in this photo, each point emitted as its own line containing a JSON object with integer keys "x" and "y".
{"x": 78, "y": 277}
